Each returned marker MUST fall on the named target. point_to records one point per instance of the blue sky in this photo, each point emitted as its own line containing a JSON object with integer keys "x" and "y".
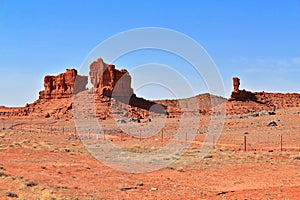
{"x": 257, "y": 40}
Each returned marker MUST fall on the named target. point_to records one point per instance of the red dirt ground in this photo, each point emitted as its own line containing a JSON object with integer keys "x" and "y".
{"x": 43, "y": 160}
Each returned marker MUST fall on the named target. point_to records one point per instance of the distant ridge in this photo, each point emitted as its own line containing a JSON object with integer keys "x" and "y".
{"x": 113, "y": 87}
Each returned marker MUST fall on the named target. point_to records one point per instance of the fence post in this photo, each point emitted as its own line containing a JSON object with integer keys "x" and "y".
{"x": 245, "y": 143}
{"x": 63, "y": 130}
{"x": 280, "y": 142}
{"x": 185, "y": 140}
{"x": 162, "y": 135}
{"x": 89, "y": 134}
{"x": 140, "y": 135}
{"x": 213, "y": 141}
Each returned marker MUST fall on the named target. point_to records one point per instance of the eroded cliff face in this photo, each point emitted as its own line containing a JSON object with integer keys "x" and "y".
{"x": 242, "y": 101}
{"x": 109, "y": 81}
{"x": 62, "y": 85}
{"x": 112, "y": 94}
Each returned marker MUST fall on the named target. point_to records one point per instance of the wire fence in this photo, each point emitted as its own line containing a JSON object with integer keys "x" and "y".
{"x": 260, "y": 140}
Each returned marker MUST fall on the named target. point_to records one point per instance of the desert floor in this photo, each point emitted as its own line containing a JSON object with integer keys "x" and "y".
{"x": 44, "y": 159}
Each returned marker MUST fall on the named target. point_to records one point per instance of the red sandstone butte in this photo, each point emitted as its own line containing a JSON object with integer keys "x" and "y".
{"x": 109, "y": 81}
{"x": 112, "y": 86}
{"x": 62, "y": 85}
{"x": 111, "y": 94}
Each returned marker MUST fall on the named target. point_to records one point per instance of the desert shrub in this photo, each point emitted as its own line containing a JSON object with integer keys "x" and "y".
{"x": 3, "y": 174}
{"x": 30, "y": 183}
{"x": 297, "y": 157}
{"x": 11, "y": 194}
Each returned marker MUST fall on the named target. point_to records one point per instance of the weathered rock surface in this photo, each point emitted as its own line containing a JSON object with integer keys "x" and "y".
{"x": 112, "y": 95}
{"x": 202, "y": 104}
{"x": 236, "y": 84}
{"x": 109, "y": 81}
{"x": 62, "y": 85}
{"x": 114, "y": 86}
{"x": 242, "y": 101}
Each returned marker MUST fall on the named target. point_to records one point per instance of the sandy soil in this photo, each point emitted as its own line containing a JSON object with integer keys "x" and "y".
{"x": 44, "y": 160}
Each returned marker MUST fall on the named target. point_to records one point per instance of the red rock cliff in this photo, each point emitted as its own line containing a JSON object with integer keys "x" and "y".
{"x": 109, "y": 81}
{"x": 242, "y": 101}
{"x": 62, "y": 85}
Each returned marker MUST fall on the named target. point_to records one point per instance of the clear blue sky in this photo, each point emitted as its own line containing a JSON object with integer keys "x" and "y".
{"x": 257, "y": 40}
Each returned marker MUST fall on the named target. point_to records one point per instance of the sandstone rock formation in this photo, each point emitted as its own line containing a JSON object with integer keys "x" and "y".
{"x": 116, "y": 84}
{"x": 109, "y": 81}
{"x": 201, "y": 104}
{"x": 236, "y": 84}
{"x": 112, "y": 94}
{"x": 240, "y": 95}
{"x": 62, "y": 85}
{"x": 242, "y": 101}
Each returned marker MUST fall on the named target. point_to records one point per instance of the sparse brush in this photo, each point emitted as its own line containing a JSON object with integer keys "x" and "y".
{"x": 11, "y": 194}
{"x": 297, "y": 157}
{"x": 2, "y": 174}
{"x": 30, "y": 183}
{"x": 207, "y": 156}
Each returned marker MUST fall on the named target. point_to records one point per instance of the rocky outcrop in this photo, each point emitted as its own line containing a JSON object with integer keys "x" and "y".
{"x": 109, "y": 81}
{"x": 202, "y": 104}
{"x": 240, "y": 95}
{"x": 62, "y": 85}
{"x": 236, "y": 84}
{"x": 242, "y": 101}
{"x": 112, "y": 95}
